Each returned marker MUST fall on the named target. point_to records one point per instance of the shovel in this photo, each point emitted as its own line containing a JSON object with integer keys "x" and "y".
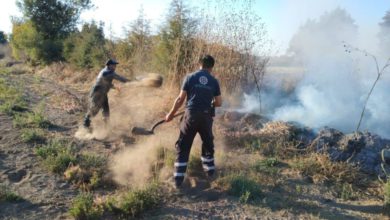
{"x": 143, "y": 131}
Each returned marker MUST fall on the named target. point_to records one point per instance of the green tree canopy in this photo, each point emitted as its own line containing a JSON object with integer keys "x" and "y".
{"x": 3, "y": 37}
{"x": 86, "y": 49}
{"x": 175, "y": 40}
{"x": 48, "y": 23}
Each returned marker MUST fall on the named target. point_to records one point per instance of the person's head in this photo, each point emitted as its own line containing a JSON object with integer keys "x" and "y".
{"x": 111, "y": 64}
{"x": 207, "y": 62}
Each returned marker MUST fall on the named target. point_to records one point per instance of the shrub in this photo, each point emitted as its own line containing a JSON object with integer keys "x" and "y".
{"x": 83, "y": 207}
{"x": 91, "y": 161}
{"x": 56, "y": 155}
{"x": 320, "y": 168}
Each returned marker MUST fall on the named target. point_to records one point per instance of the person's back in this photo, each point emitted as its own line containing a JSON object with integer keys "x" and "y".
{"x": 105, "y": 78}
{"x": 201, "y": 89}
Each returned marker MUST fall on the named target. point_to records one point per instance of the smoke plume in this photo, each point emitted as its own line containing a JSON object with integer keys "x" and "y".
{"x": 336, "y": 81}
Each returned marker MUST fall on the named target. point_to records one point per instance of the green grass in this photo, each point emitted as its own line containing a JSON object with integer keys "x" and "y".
{"x": 243, "y": 186}
{"x": 11, "y": 99}
{"x": 266, "y": 166}
{"x": 92, "y": 161}
{"x": 57, "y": 155}
{"x": 135, "y": 202}
{"x": 35, "y": 119}
{"x": 124, "y": 205}
{"x": 32, "y": 135}
{"x": 83, "y": 208}
{"x": 6, "y": 195}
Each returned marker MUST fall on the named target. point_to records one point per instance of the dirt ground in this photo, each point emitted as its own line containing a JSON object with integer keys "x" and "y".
{"x": 48, "y": 196}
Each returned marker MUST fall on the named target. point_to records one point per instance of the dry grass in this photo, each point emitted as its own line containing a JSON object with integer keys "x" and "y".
{"x": 321, "y": 169}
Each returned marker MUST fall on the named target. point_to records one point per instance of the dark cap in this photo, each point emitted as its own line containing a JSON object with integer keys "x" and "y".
{"x": 111, "y": 62}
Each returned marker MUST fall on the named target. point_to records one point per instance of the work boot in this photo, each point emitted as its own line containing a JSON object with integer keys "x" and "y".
{"x": 87, "y": 122}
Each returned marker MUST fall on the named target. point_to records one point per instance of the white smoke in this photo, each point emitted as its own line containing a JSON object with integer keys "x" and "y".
{"x": 336, "y": 83}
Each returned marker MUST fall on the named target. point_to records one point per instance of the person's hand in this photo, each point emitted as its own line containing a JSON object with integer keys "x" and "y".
{"x": 169, "y": 117}
{"x": 118, "y": 88}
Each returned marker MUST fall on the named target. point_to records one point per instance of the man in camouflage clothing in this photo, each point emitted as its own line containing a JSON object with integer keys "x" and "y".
{"x": 98, "y": 95}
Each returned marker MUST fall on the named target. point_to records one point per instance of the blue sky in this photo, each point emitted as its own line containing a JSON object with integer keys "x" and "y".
{"x": 282, "y": 17}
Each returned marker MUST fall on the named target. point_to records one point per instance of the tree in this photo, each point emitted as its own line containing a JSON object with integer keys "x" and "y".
{"x": 3, "y": 38}
{"x": 175, "y": 44}
{"x": 53, "y": 18}
{"x": 134, "y": 51}
{"x": 25, "y": 41}
{"x": 52, "y": 21}
{"x": 316, "y": 38}
{"x": 85, "y": 49}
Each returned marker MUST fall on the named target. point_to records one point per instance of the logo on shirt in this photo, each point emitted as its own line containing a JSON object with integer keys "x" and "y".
{"x": 203, "y": 80}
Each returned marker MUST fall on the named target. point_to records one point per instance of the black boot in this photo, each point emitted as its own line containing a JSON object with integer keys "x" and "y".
{"x": 87, "y": 122}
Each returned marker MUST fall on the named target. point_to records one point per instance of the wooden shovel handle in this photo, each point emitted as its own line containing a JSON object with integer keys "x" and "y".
{"x": 162, "y": 121}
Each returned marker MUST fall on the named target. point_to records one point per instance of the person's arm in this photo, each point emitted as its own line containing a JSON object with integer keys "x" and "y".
{"x": 217, "y": 96}
{"x": 120, "y": 78}
{"x": 217, "y": 101}
{"x": 178, "y": 103}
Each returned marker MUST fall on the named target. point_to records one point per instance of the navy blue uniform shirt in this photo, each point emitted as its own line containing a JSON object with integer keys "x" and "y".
{"x": 201, "y": 88}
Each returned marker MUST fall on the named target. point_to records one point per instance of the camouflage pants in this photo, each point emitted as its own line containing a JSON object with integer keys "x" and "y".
{"x": 98, "y": 101}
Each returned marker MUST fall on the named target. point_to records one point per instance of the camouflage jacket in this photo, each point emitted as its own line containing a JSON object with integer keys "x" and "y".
{"x": 104, "y": 80}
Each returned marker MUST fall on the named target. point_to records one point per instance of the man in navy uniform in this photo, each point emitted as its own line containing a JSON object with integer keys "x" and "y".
{"x": 98, "y": 95}
{"x": 203, "y": 94}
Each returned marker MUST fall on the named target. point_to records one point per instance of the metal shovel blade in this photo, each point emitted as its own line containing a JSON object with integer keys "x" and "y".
{"x": 141, "y": 131}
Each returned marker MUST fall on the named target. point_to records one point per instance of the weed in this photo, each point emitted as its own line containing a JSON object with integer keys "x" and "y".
{"x": 91, "y": 161}
{"x": 253, "y": 145}
{"x": 56, "y": 155}
{"x": 7, "y": 195}
{"x": 11, "y": 99}
{"x": 386, "y": 192}
{"x": 83, "y": 207}
{"x": 266, "y": 165}
{"x": 347, "y": 192}
{"x": 95, "y": 180}
{"x": 135, "y": 202}
{"x": 32, "y": 135}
